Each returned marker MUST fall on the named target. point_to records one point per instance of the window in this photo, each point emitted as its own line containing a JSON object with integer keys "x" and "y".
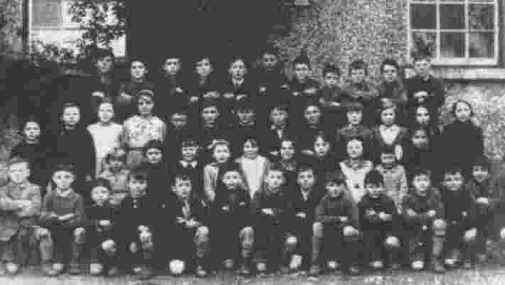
{"x": 457, "y": 32}
{"x": 49, "y": 21}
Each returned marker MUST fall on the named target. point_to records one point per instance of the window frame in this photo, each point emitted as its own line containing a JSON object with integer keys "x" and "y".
{"x": 467, "y": 61}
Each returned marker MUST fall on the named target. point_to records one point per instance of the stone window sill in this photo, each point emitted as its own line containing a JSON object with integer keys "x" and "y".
{"x": 470, "y": 73}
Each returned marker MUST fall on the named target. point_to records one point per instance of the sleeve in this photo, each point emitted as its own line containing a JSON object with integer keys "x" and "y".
{"x": 403, "y": 190}
{"x": 406, "y": 205}
{"x": 6, "y": 203}
{"x": 89, "y": 154}
{"x": 34, "y": 208}
{"x": 322, "y": 214}
{"x": 46, "y": 217}
{"x": 79, "y": 218}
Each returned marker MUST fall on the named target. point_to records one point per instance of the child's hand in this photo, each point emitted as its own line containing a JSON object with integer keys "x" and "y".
{"x": 398, "y": 152}
{"x": 240, "y": 97}
{"x": 343, "y": 219}
{"x": 192, "y": 224}
{"x": 66, "y": 217}
{"x": 193, "y": 99}
{"x": 296, "y": 94}
{"x": 370, "y": 212}
{"x": 228, "y": 95}
{"x": 180, "y": 220}
{"x": 310, "y": 91}
{"x": 268, "y": 212}
{"x": 335, "y": 104}
{"x": 262, "y": 89}
{"x": 22, "y": 204}
{"x": 179, "y": 90}
{"x": 301, "y": 215}
{"x": 385, "y": 217}
{"x": 483, "y": 200}
{"x": 124, "y": 98}
{"x": 411, "y": 213}
{"x": 211, "y": 94}
{"x": 98, "y": 94}
{"x": 431, "y": 213}
{"x": 104, "y": 223}
{"x": 225, "y": 208}
{"x": 133, "y": 247}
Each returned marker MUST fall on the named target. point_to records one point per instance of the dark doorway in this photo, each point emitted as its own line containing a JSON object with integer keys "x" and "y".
{"x": 189, "y": 28}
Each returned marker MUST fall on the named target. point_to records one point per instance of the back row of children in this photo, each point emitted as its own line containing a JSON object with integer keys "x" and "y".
{"x": 203, "y": 142}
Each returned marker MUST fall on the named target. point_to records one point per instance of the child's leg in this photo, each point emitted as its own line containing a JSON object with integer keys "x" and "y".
{"x": 439, "y": 228}
{"x": 372, "y": 239}
{"x": 246, "y": 237}
{"x": 317, "y": 242}
{"x": 201, "y": 240}
{"x": 79, "y": 239}
{"x": 351, "y": 248}
{"x": 289, "y": 247}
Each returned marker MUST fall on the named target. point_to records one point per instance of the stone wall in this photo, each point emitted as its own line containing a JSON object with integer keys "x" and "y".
{"x": 11, "y": 26}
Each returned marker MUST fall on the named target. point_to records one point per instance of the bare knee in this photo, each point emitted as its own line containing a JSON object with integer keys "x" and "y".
{"x": 439, "y": 227}
{"x": 79, "y": 235}
{"x": 391, "y": 242}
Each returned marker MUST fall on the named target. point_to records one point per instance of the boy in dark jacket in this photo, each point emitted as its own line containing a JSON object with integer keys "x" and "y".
{"x": 332, "y": 97}
{"x": 135, "y": 226}
{"x": 186, "y": 227}
{"x": 232, "y": 222}
{"x": 459, "y": 206}
{"x": 423, "y": 215}
{"x": 335, "y": 230}
{"x": 190, "y": 165}
{"x": 63, "y": 214}
{"x": 379, "y": 223}
{"x": 303, "y": 198}
{"x": 157, "y": 171}
{"x": 171, "y": 89}
{"x": 270, "y": 209}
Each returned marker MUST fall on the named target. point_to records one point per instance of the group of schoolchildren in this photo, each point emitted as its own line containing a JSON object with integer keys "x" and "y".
{"x": 254, "y": 172}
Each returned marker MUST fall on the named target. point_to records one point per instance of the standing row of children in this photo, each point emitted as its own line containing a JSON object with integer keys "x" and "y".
{"x": 269, "y": 175}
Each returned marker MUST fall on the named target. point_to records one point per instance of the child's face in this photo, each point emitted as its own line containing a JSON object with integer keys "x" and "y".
{"x": 422, "y": 116}
{"x": 116, "y": 164}
{"x": 221, "y": 153}
{"x": 334, "y": 189}
{"x": 63, "y": 179}
{"x": 421, "y": 183}
{"x": 287, "y": 150}
{"x": 321, "y": 147}
{"x": 100, "y": 195}
{"x": 18, "y": 172}
{"x": 374, "y": 190}
{"x": 269, "y": 61}
{"x": 354, "y": 117}
{"x": 245, "y": 116}
{"x": 203, "y": 67}
{"x": 422, "y": 67}
{"x": 231, "y": 179}
{"x": 357, "y": 75}
{"x": 462, "y": 112}
{"x": 182, "y": 188}
{"x": 390, "y": 73}
{"x": 189, "y": 152}
{"x": 306, "y": 179}
{"x": 237, "y": 69}
{"x": 388, "y": 116}
{"x": 278, "y": 117}
{"x": 172, "y": 66}
{"x": 453, "y": 181}
{"x": 145, "y": 106}
{"x": 420, "y": 139}
{"x": 179, "y": 121}
{"x": 331, "y": 79}
{"x": 354, "y": 149}
{"x": 274, "y": 179}
{"x": 31, "y": 131}
{"x": 104, "y": 64}
{"x": 138, "y": 70}
{"x": 105, "y": 112}
{"x": 250, "y": 149}
{"x": 312, "y": 115}
{"x": 302, "y": 71}
{"x": 480, "y": 173}
{"x": 210, "y": 115}
{"x": 154, "y": 155}
{"x": 388, "y": 159}
{"x": 137, "y": 187}
{"x": 71, "y": 116}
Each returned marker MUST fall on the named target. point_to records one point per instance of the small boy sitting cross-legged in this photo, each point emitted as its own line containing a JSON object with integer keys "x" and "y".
{"x": 101, "y": 216}
{"x": 423, "y": 213}
{"x": 379, "y": 223}
{"x": 187, "y": 227}
{"x": 134, "y": 228}
{"x": 232, "y": 224}
{"x": 335, "y": 230}
{"x": 20, "y": 204}
{"x": 63, "y": 214}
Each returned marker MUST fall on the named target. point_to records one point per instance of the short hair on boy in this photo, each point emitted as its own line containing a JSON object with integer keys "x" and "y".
{"x": 102, "y": 53}
{"x": 18, "y": 160}
{"x": 139, "y": 174}
{"x": 276, "y": 167}
{"x": 145, "y": 93}
{"x": 153, "y": 144}
{"x": 374, "y": 177}
{"x": 481, "y": 161}
{"x": 331, "y": 68}
{"x": 421, "y": 171}
{"x": 302, "y": 59}
{"x": 189, "y": 142}
{"x": 334, "y": 177}
{"x": 280, "y": 107}
{"x": 181, "y": 177}
{"x": 358, "y": 64}
{"x": 387, "y": 149}
{"x": 67, "y": 105}
{"x": 304, "y": 167}
{"x": 30, "y": 119}
{"x": 66, "y": 167}
{"x": 137, "y": 59}
{"x": 354, "y": 106}
{"x": 269, "y": 50}
{"x": 206, "y": 103}
{"x": 391, "y": 62}
{"x": 462, "y": 101}
{"x": 244, "y": 105}
{"x": 453, "y": 170}
{"x": 100, "y": 182}
{"x": 421, "y": 55}
{"x": 252, "y": 139}
{"x": 116, "y": 154}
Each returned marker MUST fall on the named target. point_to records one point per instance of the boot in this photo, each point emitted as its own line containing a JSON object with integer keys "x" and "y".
{"x": 200, "y": 270}
{"x": 437, "y": 266}
{"x": 47, "y": 269}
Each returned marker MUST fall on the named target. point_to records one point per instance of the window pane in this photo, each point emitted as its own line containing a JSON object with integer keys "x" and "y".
{"x": 452, "y": 44}
{"x": 46, "y": 13}
{"x": 425, "y": 42}
{"x": 423, "y": 16}
{"x": 481, "y": 16}
{"x": 452, "y": 16}
{"x": 481, "y": 44}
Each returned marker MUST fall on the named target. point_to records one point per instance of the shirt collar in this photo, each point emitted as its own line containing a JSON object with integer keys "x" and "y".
{"x": 185, "y": 164}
